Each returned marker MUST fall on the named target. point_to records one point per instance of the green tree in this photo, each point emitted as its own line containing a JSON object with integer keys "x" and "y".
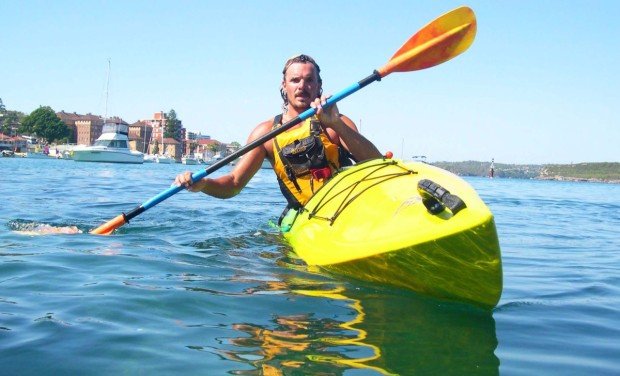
{"x": 172, "y": 128}
{"x": 8, "y": 122}
{"x": 235, "y": 145}
{"x": 45, "y": 124}
{"x": 214, "y": 148}
{"x": 3, "y": 127}
{"x": 156, "y": 147}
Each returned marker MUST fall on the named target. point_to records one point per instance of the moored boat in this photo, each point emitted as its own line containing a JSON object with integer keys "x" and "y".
{"x": 189, "y": 160}
{"x": 410, "y": 225}
{"x": 158, "y": 158}
{"x": 165, "y": 159}
{"x": 112, "y": 146}
{"x": 150, "y": 158}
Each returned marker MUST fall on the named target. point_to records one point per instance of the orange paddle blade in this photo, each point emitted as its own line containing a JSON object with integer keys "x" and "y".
{"x": 111, "y": 225}
{"x": 439, "y": 41}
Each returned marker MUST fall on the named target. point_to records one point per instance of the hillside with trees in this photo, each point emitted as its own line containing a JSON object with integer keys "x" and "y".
{"x": 9, "y": 120}
{"x": 604, "y": 171}
{"x": 597, "y": 171}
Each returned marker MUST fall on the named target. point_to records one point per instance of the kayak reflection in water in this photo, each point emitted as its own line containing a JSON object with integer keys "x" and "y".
{"x": 304, "y": 343}
{"x": 304, "y": 156}
{"x": 381, "y": 334}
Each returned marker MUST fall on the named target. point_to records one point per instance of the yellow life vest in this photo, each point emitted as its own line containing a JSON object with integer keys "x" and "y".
{"x": 304, "y": 158}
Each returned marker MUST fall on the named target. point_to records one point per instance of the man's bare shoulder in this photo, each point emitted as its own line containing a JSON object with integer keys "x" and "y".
{"x": 260, "y": 130}
{"x": 264, "y": 127}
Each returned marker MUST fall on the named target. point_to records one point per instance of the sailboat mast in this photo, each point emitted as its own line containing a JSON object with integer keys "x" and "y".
{"x": 163, "y": 149}
{"x": 107, "y": 88}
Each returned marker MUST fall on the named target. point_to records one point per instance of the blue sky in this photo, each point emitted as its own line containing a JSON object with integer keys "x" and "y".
{"x": 538, "y": 85}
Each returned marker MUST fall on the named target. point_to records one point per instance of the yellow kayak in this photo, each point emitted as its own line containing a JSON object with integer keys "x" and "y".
{"x": 406, "y": 224}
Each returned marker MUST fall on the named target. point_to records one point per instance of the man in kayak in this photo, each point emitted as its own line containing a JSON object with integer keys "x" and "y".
{"x": 303, "y": 157}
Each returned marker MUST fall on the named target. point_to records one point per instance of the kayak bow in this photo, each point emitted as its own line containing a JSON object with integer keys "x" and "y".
{"x": 410, "y": 225}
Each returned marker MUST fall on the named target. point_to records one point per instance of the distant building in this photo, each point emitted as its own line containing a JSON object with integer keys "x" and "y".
{"x": 208, "y": 148}
{"x": 171, "y": 147}
{"x": 86, "y": 128}
{"x": 16, "y": 143}
{"x": 69, "y": 119}
{"x": 140, "y": 135}
{"x": 166, "y": 145}
{"x": 6, "y": 142}
{"x": 197, "y": 144}
{"x": 191, "y": 136}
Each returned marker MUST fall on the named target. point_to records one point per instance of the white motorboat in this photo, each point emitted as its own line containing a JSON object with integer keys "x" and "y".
{"x": 165, "y": 159}
{"x": 156, "y": 158}
{"x": 189, "y": 160}
{"x": 150, "y": 158}
{"x": 112, "y": 146}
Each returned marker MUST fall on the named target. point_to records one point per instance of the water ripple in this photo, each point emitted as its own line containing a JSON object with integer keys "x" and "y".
{"x": 208, "y": 285}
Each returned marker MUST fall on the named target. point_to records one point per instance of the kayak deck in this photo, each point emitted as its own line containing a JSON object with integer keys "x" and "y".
{"x": 372, "y": 222}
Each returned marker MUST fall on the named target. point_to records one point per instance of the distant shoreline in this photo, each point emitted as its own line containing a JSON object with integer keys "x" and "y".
{"x": 579, "y": 180}
{"x": 587, "y": 172}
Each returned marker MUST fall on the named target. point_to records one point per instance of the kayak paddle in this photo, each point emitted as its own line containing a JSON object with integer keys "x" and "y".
{"x": 439, "y": 41}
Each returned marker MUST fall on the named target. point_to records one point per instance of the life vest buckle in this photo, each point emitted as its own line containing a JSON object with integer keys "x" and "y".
{"x": 321, "y": 173}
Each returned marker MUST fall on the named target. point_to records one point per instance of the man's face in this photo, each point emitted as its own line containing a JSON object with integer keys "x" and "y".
{"x": 301, "y": 85}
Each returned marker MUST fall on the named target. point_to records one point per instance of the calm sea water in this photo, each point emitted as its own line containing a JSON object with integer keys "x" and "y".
{"x": 204, "y": 286}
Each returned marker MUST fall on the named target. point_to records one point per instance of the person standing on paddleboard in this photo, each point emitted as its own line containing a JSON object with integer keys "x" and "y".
{"x": 302, "y": 157}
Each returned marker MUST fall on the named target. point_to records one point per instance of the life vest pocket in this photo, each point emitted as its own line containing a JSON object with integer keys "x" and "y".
{"x": 305, "y": 155}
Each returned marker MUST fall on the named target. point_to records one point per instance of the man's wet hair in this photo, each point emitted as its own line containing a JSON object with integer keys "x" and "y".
{"x": 301, "y": 58}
